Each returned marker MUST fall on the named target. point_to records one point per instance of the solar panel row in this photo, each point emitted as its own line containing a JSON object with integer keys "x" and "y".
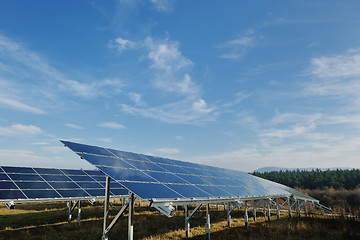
{"x": 44, "y": 183}
{"x": 155, "y": 177}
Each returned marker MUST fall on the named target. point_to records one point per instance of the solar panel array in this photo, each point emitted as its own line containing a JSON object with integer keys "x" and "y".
{"x": 152, "y": 177}
{"x": 24, "y": 183}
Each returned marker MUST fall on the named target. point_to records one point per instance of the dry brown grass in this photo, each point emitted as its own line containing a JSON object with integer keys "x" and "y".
{"x": 49, "y": 221}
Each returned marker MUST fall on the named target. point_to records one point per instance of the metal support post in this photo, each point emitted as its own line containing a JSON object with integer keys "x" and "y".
{"x": 246, "y": 217}
{"x": 268, "y": 206}
{"x": 131, "y": 217}
{"x": 277, "y": 209}
{"x": 79, "y": 212}
{"x": 264, "y": 209}
{"x": 69, "y": 205}
{"x": 224, "y": 206}
{"x": 254, "y": 210}
{"x": 289, "y": 206}
{"x": 187, "y": 217}
{"x": 106, "y": 207}
{"x": 187, "y": 223}
{"x": 229, "y": 214}
{"x": 298, "y": 208}
{"x": 306, "y": 208}
{"x": 207, "y": 222}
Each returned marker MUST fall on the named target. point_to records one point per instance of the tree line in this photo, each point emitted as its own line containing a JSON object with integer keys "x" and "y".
{"x": 315, "y": 179}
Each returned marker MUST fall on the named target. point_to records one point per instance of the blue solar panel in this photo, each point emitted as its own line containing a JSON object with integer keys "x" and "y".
{"x": 25, "y": 177}
{"x": 19, "y": 183}
{"x": 4, "y": 177}
{"x": 81, "y": 178}
{"x": 73, "y": 193}
{"x": 73, "y": 172}
{"x": 90, "y": 185}
{"x": 33, "y": 185}
{"x": 11, "y": 194}
{"x": 41, "y": 194}
{"x": 7, "y": 185}
{"x": 93, "y": 173}
{"x": 147, "y": 190}
{"x": 156, "y": 177}
{"x": 64, "y": 185}
{"x": 18, "y": 170}
{"x": 47, "y": 171}
{"x": 59, "y": 178}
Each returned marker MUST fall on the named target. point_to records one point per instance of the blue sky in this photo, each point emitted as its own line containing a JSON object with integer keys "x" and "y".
{"x": 235, "y": 84}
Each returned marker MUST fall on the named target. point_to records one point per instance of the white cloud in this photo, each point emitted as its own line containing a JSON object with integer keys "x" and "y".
{"x": 339, "y": 66}
{"x": 136, "y": 98}
{"x": 201, "y": 106}
{"x": 336, "y": 77}
{"x": 70, "y": 125}
{"x": 296, "y": 118}
{"x": 308, "y": 154}
{"x": 122, "y": 44}
{"x": 55, "y": 149}
{"x": 291, "y": 132}
{"x": 185, "y": 111}
{"x": 167, "y": 150}
{"x": 163, "y": 5}
{"x": 112, "y": 125}
{"x": 238, "y": 47}
{"x": 171, "y": 67}
{"x": 47, "y": 81}
{"x": 20, "y": 130}
{"x": 20, "y": 106}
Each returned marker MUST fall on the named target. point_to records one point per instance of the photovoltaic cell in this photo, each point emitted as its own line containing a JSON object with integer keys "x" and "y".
{"x": 22, "y": 183}
{"x": 155, "y": 177}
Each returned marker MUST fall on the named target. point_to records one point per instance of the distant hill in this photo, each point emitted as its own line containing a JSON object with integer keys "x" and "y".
{"x": 277, "y": 169}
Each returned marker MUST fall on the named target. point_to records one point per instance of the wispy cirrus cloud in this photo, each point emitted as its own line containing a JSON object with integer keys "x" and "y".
{"x": 20, "y": 106}
{"x": 171, "y": 74}
{"x": 338, "y": 66}
{"x": 20, "y": 130}
{"x": 336, "y": 76}
{"x": 237, "y": 48}
{"x": 38, "y": 74}
{"x": 166, "y": 150}
{"x": 112, "y": 125}
{"x": 71, "y": 125}
{"x": 163, "y": 5}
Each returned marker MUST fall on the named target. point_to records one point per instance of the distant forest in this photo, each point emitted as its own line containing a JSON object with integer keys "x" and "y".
{"x": 315, "y": 179}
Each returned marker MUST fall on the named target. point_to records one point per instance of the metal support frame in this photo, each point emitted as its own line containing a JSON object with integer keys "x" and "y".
{"x": 289, "y": 206}
{"x": 131, "y": 217}
{"x": 254, "y": 210}
{"x": 207, "y": 222}
{"x": 106, "y": 208}
{"x": 129, "y": 204}
{"x": 264, "y": 209}
{"x": 79, "y": 212}
{"x": 187, "y": 224}
{"x": 229, "y": 210}
{"x": 71, "y": 206}
{"x": 277, "y": 209}
{"x": 10, "y": 205}
{"x": 306, "y": 208}
{"x": 246, "y": 217}
{"x": 229, "y": 214}
{"x": 268, "y": 209}
{"x": 187, "y": 217}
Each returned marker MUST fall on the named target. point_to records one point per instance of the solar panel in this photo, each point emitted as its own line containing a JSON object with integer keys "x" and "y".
{"x": 23, "y": 184}
{"x": 152, "y": 177}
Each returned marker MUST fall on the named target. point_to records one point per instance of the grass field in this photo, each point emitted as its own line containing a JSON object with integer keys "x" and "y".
{"x": 49, "y": 221}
